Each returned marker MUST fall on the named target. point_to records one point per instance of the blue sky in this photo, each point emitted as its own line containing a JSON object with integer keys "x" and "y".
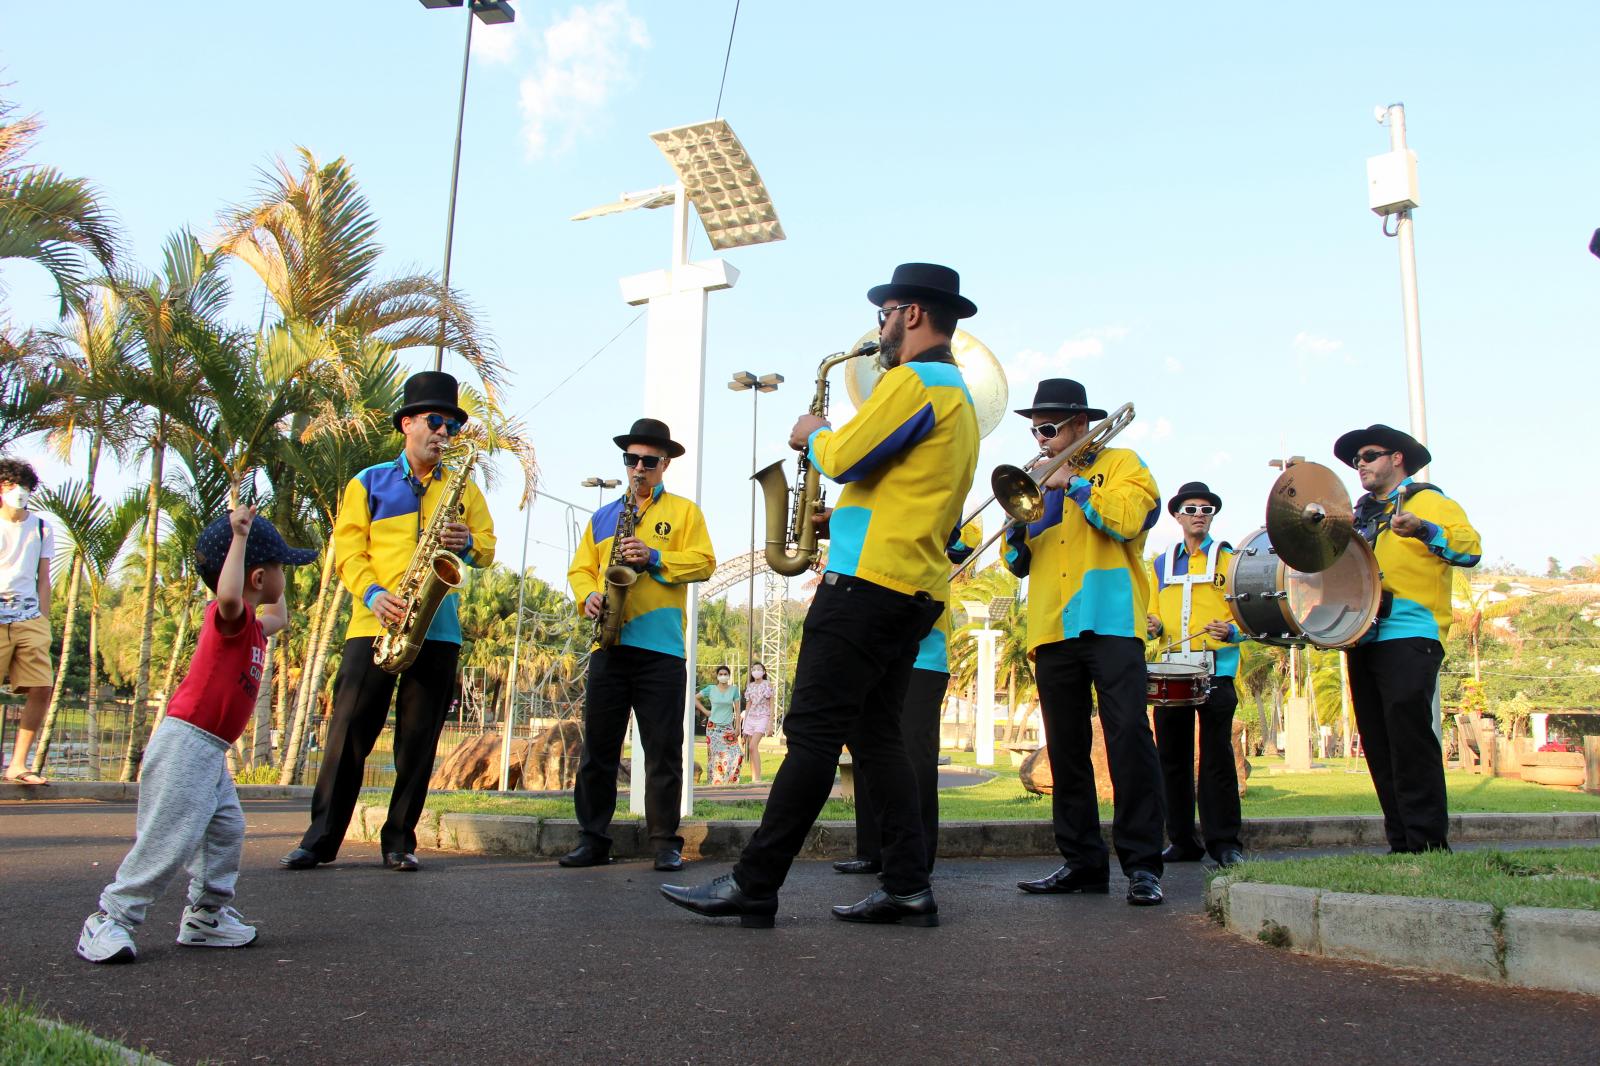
{"x": 1168, "y": 205}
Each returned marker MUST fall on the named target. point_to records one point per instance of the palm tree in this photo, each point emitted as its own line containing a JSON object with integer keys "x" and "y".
{"x": 1011, "y": 652}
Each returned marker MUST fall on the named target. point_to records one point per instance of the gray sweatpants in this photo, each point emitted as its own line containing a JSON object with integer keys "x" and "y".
{"x": 189, "y": 817}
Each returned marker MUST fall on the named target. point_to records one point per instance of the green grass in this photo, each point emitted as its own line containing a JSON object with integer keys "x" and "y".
{"x": 24, "y": 1041}
{"x": 1566, "y": 878}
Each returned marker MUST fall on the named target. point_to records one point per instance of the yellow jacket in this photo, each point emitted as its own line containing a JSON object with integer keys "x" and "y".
{"x": 1206, "y": 603}
{"x": 375, "y": 535}
{"x": 1416, "y": 570}
{"x": 1086, "y": 553}
{"x": 906, "y": 461}
{"x": 680, "y": 554}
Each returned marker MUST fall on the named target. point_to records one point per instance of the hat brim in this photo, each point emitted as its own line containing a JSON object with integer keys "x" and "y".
{"x": 1095, "y": 414}
{"x": 1416, "y": 453}
{"x": 671, "y": 447}
{"x": 299, "y": 556}
{"x": 963, "y": 307}
{"x": 1210, "y": 497}
{"x": 422, "y": 408}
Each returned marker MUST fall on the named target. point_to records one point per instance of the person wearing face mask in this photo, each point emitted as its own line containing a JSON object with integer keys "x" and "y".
{"x": 758, "y": 695}
{"x": 1418, "y": 533}
{"x": 719, "y": 705}
{"x": 27, "y": 544}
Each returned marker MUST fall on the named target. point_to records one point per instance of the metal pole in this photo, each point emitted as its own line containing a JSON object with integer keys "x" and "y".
{"x": 1408, "y": 296}
{"x": 455, "y": 174}
{"x": 755, "y": 408}
{"x": 516, "y": 652}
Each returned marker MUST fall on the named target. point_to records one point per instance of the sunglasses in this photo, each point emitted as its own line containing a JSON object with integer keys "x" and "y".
{"x": 437, "y": 422}
{"x": 1048, "y": 430}
{"x": 885, "y": 312}
{"x": 1197, "y": 508}
{"x": 649, "y": 462}
{"x": 1372, "y": 455}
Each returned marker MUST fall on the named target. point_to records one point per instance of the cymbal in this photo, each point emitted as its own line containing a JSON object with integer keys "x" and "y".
{"x": 1309, "y": 518}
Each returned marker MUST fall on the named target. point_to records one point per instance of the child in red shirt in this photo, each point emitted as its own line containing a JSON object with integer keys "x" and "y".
{"x": 189, "y": 814}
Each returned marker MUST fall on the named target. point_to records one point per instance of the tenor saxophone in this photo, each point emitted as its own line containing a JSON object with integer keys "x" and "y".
{"x": 619, "y": 578}
{"x": 791, "y": 535}
{"x": 432, "y": 574}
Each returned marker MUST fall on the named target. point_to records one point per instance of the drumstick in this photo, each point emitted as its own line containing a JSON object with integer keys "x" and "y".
{"x": 1180, "y": 640}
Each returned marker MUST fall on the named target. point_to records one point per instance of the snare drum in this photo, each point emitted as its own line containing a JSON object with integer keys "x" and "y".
{"x": 1176, "y": 685}
{"x": 1276, "y": 604}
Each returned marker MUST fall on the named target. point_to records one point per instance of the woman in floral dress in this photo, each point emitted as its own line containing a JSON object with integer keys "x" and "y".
{"x": 722, "y": 730}
{"x": 757, "y": 717}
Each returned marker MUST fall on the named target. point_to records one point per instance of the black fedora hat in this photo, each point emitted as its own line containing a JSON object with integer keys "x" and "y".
{"x": 431, "y": 390}
{"x": 925, "y": 281}
{"x": 1061, "y": 396}
{"x": 1416, "y": 453}
{"x": 1194, "y": 490}
{"x": 651, "y": 431}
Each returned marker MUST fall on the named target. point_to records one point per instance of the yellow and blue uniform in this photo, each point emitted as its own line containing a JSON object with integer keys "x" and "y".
{"x": 934, "y": 651}
{"x": 892, "y": 516}
{"x": 1086, "y": 553}
{"x": 383, "y": 512}
{"x": 1416, "y": 570}
{"x": 1206, "y": 602}
{"x": 680, "y": 554}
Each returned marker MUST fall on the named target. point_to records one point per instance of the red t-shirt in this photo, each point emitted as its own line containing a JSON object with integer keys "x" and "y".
{"x": 219, "y": 692}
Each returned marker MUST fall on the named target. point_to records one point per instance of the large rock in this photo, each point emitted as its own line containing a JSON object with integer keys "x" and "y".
{"x": 551, "y": 763}
{"x": 475, "y": 764}
{"x": 1036, "y": 776}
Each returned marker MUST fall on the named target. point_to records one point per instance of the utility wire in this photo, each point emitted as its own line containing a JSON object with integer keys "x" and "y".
{"x": 580, "y": 366}
{"x": 725, "y": 57}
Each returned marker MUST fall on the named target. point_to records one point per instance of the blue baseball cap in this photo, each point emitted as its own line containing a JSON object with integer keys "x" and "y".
{"x": 264, "y": 547}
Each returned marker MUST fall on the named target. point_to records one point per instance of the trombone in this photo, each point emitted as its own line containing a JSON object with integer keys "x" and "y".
{"x": 1018, "y": 487}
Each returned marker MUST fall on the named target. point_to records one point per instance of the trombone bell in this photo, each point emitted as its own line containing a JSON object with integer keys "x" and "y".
{"x": 1018, "y": 494}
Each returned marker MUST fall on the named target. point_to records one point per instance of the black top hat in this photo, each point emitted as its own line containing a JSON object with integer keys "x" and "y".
{"x": 1194, "y": 490}
{"x": 1061, "y": 396}
{"x": 264, "y": 546}
{"x": 925, "y": 281}
{"x": 431, "y": 390}
{"x": 1416, "y": 453}
{"x": 651, "y": 431}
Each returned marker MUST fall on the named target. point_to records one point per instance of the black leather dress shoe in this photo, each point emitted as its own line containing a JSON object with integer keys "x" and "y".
{"x": 1144, "y": 889}
{"x": 1179, "y": 853}
{"x": 1066, "y": 879}
{"x": 300, "y": 859}
{"x": 669, "y": 860}
{"x": 586, "y": 855}
{"x": 885, "y": 908}
{"x": 1230, "y": 857}
{"x": 401, "y": 860}
{"x": 723, "y": 898}
{"x": 858, "y": 866}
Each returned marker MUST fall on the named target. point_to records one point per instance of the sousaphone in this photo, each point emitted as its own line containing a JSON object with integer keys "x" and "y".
{"x": 980, "y": 369}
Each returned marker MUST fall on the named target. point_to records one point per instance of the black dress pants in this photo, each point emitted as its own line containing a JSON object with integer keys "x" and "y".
{"x": 1114, "y": 666}
{"x": 919, "y": 726}
{"x": 654, "y": 686}
{"x": 856, "y": 655}
{"x": 361, "y": 695}
{"x": 1391, "y": 687}
{"x": 1219, "y": 778}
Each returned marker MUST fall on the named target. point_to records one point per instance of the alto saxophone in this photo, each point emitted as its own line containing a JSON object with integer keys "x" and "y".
{"x": 432, "y": 574}
{"x": 619, "y": 578}
{"x": 797, "y": 528}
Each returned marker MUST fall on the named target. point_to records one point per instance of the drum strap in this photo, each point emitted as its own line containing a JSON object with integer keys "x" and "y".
{"x": 1190, "y": 580}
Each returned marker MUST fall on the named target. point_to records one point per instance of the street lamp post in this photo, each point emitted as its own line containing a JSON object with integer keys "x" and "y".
{"x": 491, "y": 13}
{"x": 744, "y": 381}
{"x": 600, "y": 484}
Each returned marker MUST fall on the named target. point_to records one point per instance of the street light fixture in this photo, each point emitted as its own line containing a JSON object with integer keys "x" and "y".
{"x": 600, "y": 483}
{"x": 490, "y": 13}
{"x": 744, "y": 381}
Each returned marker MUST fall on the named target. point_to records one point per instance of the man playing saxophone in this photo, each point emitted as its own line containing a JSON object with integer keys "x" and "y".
{"x": 381, "y": 519}
{"x": 664, "y": 538}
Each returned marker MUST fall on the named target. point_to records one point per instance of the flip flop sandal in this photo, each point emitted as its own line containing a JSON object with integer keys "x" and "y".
{"x": 28, "y": 778}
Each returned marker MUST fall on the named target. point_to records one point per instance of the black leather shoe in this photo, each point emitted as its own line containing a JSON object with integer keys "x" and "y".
{"x": 1179, "y": 853}
{"x": 1144, "y": 889}
{"x": 1230, "y": 857}
{"x": 401, "y": 860}
{"x": 858, "y": 866}
{"x": 885, "y": 908}
{"x": 723, "y": 898}
{"x": 586, "y": 855}
{"x": 669, "y": 860}
{"x": 1066, "y": 879}
{"x": 300, "y": 859}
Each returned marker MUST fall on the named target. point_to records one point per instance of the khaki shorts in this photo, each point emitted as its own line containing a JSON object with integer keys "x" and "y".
{"x": 25, "y": 654}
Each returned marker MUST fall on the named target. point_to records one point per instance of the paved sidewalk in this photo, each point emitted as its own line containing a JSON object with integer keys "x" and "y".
{"x": 486, "y": 960}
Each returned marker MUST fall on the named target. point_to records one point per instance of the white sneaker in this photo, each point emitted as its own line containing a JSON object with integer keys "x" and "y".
{"x": 104, "y": 939}
{"x": 214, "y": 927}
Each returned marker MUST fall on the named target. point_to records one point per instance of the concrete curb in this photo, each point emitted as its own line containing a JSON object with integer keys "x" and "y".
{"x": 1531, "y": 947}
{"x": 128, "y": 792}
{"x": 127, "y": 1054}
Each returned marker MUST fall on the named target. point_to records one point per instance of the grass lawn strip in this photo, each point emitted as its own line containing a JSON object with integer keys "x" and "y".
{"x": 29, "y": 1040}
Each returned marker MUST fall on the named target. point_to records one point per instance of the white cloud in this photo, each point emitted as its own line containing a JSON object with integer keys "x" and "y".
{"x": 1173, "y": 366}
{"x": 1220, "y": 459}
{"x": 1083, "y": 345}
{"x": 1315, "y": 344}
{"x": 496, "y": 45}
{"x": 1163, "y": 429}
{"x": 583, "y": 58}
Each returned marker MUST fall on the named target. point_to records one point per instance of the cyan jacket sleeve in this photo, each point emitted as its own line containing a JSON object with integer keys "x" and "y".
{"x": 476, "y": 517}
{"x": 896, "y": 416}
{"x": 352, "y": 544}
{"x": 584, "y": 573}
{"x": 1446, "y": 531}
{"x": 691, "y": 558}
{"x": 1124, "y": 505}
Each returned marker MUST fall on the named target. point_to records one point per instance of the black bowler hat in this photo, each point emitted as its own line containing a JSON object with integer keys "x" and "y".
{"x": 1061, "y": 396}
{"x": 1416, "y": 453}
{"x": 925, "y": 281}
{"x": 431, "y": 390}
{"x": 265, "y": 545}
{"x": 1194, "y": 490}
{"x": 651, "y": 431}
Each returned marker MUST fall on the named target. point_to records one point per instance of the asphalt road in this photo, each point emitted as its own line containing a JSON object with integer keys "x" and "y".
{"x": 487, "y": 960}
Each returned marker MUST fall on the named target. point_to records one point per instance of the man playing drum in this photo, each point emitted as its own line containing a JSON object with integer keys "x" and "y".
{"x": 1189, "y": 614}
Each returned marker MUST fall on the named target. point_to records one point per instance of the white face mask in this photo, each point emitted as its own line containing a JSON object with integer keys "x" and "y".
{"x": 16, "y": 497}
{"x": 758, "y": 673}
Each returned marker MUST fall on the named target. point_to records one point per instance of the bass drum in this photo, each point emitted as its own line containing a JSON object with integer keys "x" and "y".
{"x": 1276, "y": 604}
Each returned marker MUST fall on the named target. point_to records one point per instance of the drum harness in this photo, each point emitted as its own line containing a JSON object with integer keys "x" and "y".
{"x": 1372, "y": 518}
{"x": 1204, "y": 659}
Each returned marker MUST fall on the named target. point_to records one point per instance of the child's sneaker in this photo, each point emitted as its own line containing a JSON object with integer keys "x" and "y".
{"x": 214, "y": 927}
{"x": 104, "y": 939}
